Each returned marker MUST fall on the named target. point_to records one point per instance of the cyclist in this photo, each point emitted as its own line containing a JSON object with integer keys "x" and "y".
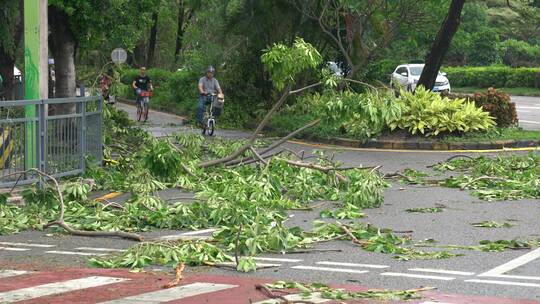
{"x": 142, "y": 83}
{"x": 208, "y": 85}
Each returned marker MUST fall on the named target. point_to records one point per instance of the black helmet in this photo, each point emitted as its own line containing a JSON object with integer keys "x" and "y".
{"x": 210, "y": 69}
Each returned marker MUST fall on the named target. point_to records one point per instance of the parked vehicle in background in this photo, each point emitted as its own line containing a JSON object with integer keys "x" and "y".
{"x": 406, "y": 77}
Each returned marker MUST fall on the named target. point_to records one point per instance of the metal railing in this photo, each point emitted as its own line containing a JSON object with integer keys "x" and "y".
{"x": 63, "y": 135}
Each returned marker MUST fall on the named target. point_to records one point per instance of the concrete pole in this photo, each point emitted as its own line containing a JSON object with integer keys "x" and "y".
{"x": 35, "y": 69}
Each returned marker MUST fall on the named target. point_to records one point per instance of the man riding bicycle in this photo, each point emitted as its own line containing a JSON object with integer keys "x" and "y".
{"x": 208, "y": 85}
{"x": 142, "y": 83}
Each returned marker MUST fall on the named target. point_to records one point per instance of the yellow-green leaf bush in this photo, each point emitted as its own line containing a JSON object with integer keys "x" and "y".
{"x": 430, "y": 114}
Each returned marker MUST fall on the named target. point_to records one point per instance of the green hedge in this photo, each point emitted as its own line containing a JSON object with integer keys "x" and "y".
{"x": 493, "y": 76}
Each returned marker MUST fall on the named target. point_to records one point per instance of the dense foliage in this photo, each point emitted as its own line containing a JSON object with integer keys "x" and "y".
{"x": 493, "y": 76}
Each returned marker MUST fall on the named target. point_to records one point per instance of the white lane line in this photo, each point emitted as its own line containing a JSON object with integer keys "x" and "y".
{"x": 172, "y": 294}
{"x": 277, "y": 260}
{"x": 258, "y": 264}
{"x": 504, "y": 283}
{"x": 353, "y": 265}
{"x": 523, "y": 111}
{"x": 74, "y": 253}
{"x": 330, "y": 269}
{"x": 463, "y": 273}
{"x": 529, "y": 121}
{"x": 56, "y": 288}
{"x": 418, "y": 276}
{"x": 197, "y": 232}
{"x": 11, "y": 273}
{"x": 100, "y": 249}
{"x": 519, "y": 277}
{"x": 515, "y": 263}
{"x": 14, "y": 249}
{"x": 27, "y": 245}
{"x": 311, "y": 298}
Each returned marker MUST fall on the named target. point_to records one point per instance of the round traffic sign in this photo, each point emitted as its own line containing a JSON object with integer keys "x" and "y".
{"x": 119, "y": 55}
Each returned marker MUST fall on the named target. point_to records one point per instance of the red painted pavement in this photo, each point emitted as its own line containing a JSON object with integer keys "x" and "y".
{"x": 148, "y": 281}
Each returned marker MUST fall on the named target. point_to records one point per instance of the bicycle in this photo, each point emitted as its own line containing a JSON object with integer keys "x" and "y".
{"x": 209, "y": 122}
{"x": 142, "y": 105}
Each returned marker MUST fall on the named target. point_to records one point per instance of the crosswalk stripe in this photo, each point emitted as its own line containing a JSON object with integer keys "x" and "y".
{"x": 504, "y": 283}
{"x": 11, "y": 273}
{"x": 171, "y": 294}
{"x": 408, "y": 275}
{"x": 27, "y": 245}
{"x": 13, "y": 249}
{"x": 311, "y": 298}
{"x": 56, "y": 288}
{"x": 352, "y": 264}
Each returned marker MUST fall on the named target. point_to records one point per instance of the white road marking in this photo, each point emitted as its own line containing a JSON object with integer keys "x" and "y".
{"x": 75, "y": 253}
{"x": 258, "y": 264}
{"x": 312, "y": 298}
{"x": 14, "y": 249}
{"x": 172, "y": 294}
{"x": 11, "y": 273}
{"x": 27, "y": 245}
{"x": 353, "y": 265}
{"x": 197, "y": 232}
{"x": 277, "y": 260}
{"x": 519, "y": 277}
{"x": 523, "y": 111}
{"x": 463, "y": 273}
{"x": 100, "y": 249}
{"x": 529, "y": 121}
{"x": 330, "y": 269}
{"x": 56, "y": 288}
{"x": 504, "y": 283}
{"x": 175, "y": 237}
{"x": 515, "y": 263}
{"x": 429, "y": 302}
{"x": 418, "y": 276}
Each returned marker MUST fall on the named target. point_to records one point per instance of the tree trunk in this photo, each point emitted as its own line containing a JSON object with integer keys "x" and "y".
{"x": 180, "y": 30}
{"x": 441, "y": 45}
{"x": 62, "y": 43}
{"x": 6, "y": 70}
{"x": 153, "y": 38}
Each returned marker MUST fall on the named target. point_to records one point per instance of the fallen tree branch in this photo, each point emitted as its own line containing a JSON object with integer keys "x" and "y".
{"x": 237, "y": 246}
{"x": 258, "y": 156}
{"x": 485, "y": 177}
{"x": 178, "y": 276}
{"x": 339, "y": 176}
{"x": 267, "y": 292}
{"x": 60, "y": 220}
{"x": 276, "y": 144}
{"x": 351, "y": 235}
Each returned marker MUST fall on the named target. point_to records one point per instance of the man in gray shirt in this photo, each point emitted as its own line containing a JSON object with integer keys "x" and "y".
{"x": 208, "y": 85}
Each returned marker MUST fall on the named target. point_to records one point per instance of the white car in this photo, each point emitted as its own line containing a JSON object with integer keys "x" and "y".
{"x": 406, "y": 76}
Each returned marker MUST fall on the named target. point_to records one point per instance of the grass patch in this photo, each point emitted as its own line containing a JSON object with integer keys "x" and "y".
{"x": 495, "y": 134}
{"x": 512, "y": 91}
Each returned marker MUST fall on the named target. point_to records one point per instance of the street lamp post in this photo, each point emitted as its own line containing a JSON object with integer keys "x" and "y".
{"x": 35, "y": 69}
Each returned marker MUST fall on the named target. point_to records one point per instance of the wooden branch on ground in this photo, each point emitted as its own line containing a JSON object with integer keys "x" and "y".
{"x": 275, "y": 144}
{"x": 267, "y": 292}
{"x": 258, "y": 156}
{"x": 237, "y": 246}
{"x": 60, "y": 220}
{"x": 351, "y": 235}
{"x": 485, "y": 177}
{"x": 339, "y": 176}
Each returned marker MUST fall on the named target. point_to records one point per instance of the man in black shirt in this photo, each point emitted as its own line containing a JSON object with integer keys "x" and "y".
{"x": 142, "y": 83}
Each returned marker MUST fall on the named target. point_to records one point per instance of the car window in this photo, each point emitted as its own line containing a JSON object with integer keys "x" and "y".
{"x": 416, "y": 70}
{"x": 402, "y": 70}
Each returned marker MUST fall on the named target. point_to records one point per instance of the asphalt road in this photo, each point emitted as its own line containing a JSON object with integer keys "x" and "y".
{"x": 528, "y": 109}
{"x": 514, "y": 274}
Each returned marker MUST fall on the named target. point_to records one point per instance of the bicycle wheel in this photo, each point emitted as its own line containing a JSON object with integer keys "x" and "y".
{"x": 139, "y": 112}
{"x": 145, "y": 112}
{"x": 211, "y": 127}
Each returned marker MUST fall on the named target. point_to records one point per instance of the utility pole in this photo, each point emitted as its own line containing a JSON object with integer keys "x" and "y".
{"x": 35, "y": 69}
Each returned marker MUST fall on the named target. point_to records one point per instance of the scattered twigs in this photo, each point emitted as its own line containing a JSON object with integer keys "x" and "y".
{"x": 60, "y": 220}
{"x": 351, "y": 235}
{"x": 339, "y": 176}
{"x": 267, "y": 292}
{"x": 485, "y": 177}
{"x": 452, "y": 158}
{"x": 113, "y": 205}
{"x": 178, "y": 276}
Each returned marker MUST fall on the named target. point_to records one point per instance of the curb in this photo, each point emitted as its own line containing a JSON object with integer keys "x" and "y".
{"x": 429, "y": 145}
